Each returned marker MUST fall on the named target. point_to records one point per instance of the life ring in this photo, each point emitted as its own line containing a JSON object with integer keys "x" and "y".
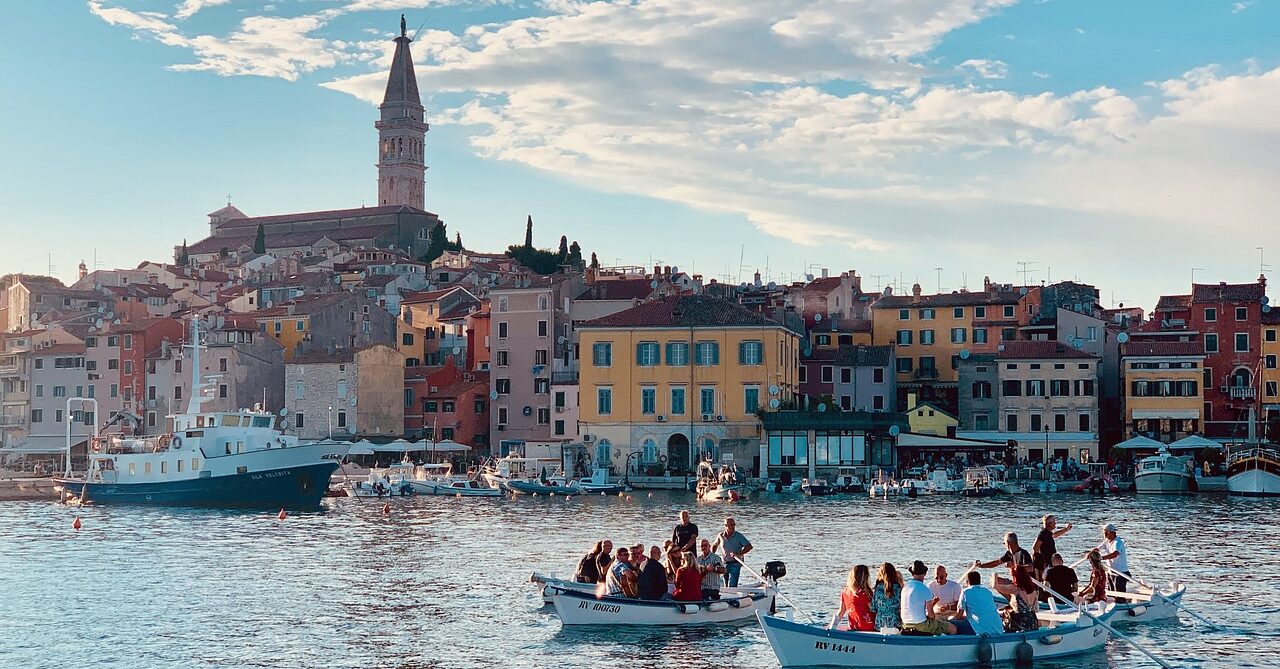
{"x": 177, "y": 442}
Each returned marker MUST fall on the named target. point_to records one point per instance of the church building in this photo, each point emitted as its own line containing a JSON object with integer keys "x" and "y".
{"x": 399, "y": 220}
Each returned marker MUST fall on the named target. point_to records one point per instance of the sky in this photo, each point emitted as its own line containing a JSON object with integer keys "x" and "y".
{"x": 1128, "y": 145}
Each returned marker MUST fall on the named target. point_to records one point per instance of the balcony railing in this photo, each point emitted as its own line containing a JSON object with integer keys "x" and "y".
{"x": 1242, "y": 392}
{"x": 564, "y": 378}
{"x": 13, "y": 421}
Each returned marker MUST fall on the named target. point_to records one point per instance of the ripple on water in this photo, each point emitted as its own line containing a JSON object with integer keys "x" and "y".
{"x": 442, "y": 582}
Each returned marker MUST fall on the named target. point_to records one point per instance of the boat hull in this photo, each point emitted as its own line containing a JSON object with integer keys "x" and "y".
{"x": 730, "y": 493}
{"x": 551, "y": 584}
{"x": 294, "y": 487}
{"x": 798, "y": 645}
{"x": 817, "y": 490}
{"x": 445, "y": 490}
{"x": 1261, "y": 481}
{"x": 1162, "y": 483}
{"x": 530, "y": 488}
{"x": 579, "y": 608}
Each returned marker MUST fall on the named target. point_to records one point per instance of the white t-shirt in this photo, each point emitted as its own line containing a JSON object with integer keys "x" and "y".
{"x": 1120, "y": 562}
{"x": 915, "y": 595}
{"x": 980, "y": 610}
{"x": 945, "y": 594}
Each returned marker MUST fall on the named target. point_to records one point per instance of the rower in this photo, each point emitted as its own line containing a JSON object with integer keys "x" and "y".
{"x": 1113, "y": 552}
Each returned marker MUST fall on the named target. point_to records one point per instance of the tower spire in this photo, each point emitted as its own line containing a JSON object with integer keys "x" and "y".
{"x": 402, "y": 130}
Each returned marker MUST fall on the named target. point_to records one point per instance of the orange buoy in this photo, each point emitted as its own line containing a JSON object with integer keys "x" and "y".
{"x": 628, "y": 498}
{"x": 282, "y": 515}
{"x": 386, "y": 508}
{"x": 75, "y": 524}
{"x": 621, "y": 495}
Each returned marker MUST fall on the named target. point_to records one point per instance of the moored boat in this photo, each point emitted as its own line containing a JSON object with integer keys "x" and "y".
{"x": 551, "y": 583}
{"x": 585, "y": 608}
{"x": 977, "y": 483}
{"x": 803, "y": 645}
{"x": 393, "y": 481}
{"x": 847, "y": 481}
{"x": 1164, "y": 473}
{"x": 816, "y": 487}
{"x": 1254, "y": 472}
{"x": 550, "y": 486}
{"x": 598, "y": 484}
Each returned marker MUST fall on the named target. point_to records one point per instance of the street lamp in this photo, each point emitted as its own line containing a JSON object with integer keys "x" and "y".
{"x": 330, "y": 423}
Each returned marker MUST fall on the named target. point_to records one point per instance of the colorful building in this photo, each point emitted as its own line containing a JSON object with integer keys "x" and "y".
{"x": 327, "y": 323}
{"x": 1271, "y": 369}
{"x": 680, "y": 378}
{"x": 1164, "y": 391}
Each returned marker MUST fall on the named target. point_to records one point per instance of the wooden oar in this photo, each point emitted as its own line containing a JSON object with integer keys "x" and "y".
{"x": 785, "y": 598}
{"x": 1097, "y": 620}
{"x": 1155, "y": 591}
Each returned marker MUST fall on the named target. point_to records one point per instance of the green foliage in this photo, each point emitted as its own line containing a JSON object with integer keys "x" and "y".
{"x": 437, "y": 243}
{"x": 575, "y": 255}
{"x": 595, "y": 262}
{"x": 184, "y": 258}
{"x": 528, "y": 233}
{"x": 260, "y": 241}
{"x": 541, "y": 261}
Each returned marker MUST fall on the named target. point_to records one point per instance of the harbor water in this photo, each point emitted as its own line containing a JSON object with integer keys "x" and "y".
{"x": 443, "y": 582}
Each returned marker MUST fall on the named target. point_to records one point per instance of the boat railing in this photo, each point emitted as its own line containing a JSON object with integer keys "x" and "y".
{"x": 1262, "y": 452}
{"x": 131, "y": 445}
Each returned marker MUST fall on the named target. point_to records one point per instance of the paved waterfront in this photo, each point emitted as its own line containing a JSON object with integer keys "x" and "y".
{"x": 441, "y": 582}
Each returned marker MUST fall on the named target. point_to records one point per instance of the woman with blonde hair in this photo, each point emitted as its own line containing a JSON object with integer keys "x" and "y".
{"x": 1096, "y": 590}
{"x": 855, "y": 600}
{"x": 886, "y": 597}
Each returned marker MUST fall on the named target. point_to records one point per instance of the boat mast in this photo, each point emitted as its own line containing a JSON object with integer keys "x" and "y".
{"x": 197, "y": 387}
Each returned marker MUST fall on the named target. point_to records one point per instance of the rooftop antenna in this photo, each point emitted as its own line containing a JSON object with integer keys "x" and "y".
{"x": 49, "y": 258}
{"x": 1026, "y": 268}
{"x": 939, "y": 271}
{"x": 964, "y": 281}
{"x": 742, "y": 253}
{"x": 415, "y": 33}
{"x": 1193, "y": 274}
{"x": 1262, "y": 266}
{"x": 877, "y": 279}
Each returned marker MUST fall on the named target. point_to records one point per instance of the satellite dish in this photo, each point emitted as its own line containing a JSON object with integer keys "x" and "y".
{"x": 817, "y": 318}
{"x": 493, "y": 394}
{"x": 337, "y": 279}
{"x": 1123, "y": 337}
{"x": 1265, "y": 300}
{"x": 527, "y": 410}
{"x": 98, "y": 323}
{"x": 1022, "y": 290}
{"x": 1077, "y": 342}
{"x": 808, "y": 277}
{"x": 807, "y": 350}
{"x": 822, "y": 408}
{"x": 116, "y": 321}
{"x": 743, "y": 285}
{"x": 965, "y": 353}
{"x": 772, "y": 285}
{"x": 284, "y": 411}
{"x": 674, "y": 269}
{"x": 457, "y": 350}
{"x": 560, "y": 339}
{"x": 653, "y": 284}
{"x": 1266, "y": 308}
{"x": 773, "y": 390}
{"x": 102, "y": 309}
{"x": 894, "y": 430}
{"x": 774, "y": 403}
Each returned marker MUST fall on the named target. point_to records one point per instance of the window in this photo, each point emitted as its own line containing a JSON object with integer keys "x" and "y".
{"x": 904, "y": 365}
{"x": 904, "y": 338}
{"x": 408, "y": 397}
{"x": 342, "y": 390}
{"x": 979, "y": 335}
{"x": 803, "y": 373}
{"x": 502, "y": 358}
{"x": 979, "y": 312}
{"x": 877, "y": 402}
{"x": 707, "y": 401}
{"x": 540, "y": 356}
{"x": 822, "y": 339}
{"x": 299, "y": 326}
{"x": 1011, "y": 388}
{"x": 61, "y": 391}
{"x": 543, "y": 303}
{"x": 877, "y": 375}
{"x": 342, "y": 419}
{"x": 958, "y": 335}
{"x": 1008, "y": 311}
{"x": 1271, "y": 361}
{"x": 222, "y": 391}
{"x": 502, "y": 416}
{"x": 1242, "y": 313}
{"x": 1060, "y": 388}
{"x": 151, "y": 419}
{"x": 115, "y": 390}
{"x": 647, "y": 354}
{"x": 1011, "y": 422}
{"x": 648, "y": 400}
{"x": 826, "y": 373}
{"x": 1085, "y": 423}
{"x": 1210, "y": 342}
{"x": 1035, "y": 387}
{"x": 542, "y": 328}
{"x": 788, "y": 447}
{"x": 604, "y": 401}
{"x": 846, "y": 375}
{"x": 1060, "y": 422}
{"x": 926, "y": 337}
{"x": 113, "y": 363}
{"x": 677, "y": 401}
{"x": 128, "y": 342}
{"x": 846, "y": 403}
{"x": 502, "y": 303}
{"x": 502, "y": 330}
{"x": 559, "y": 399}
{"x": 708, "y": 353}
{"x": 751, "y": 353}
{"x": 478, "y": 406}
{"x": 39, "y": 390}
{"x": 927, "y": 363}
{"x": 1210, "y": 314}
{"x": 1092, "y": 333}
{"x": 677, "y": 353}
{"x": 406, "y": 339}
{"x": 1037, "y": 422}
{"x": 544, "y": 418}
{"x": 559, "y": 428}
{"x": 502, "y": 386}
{"x": 904, "y": 314}
{"x": 128, "y": 367}
{"x": 37, "y": 415}
{"x": 750, "y": 399}
{"x": 957, "y": 312}
{"x": 1084, "y": 387}
{"x": 981, "y": 390}
{"x": 1242, "y": 342}
{"x": 602, "y": 354}
{"x": 927, "y": 314}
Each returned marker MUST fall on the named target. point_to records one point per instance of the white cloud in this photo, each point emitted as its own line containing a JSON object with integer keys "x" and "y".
{"x": 987, "y": 69}
{"x": 189, "y": 8}
{"x": 150, "y": 22}
{"x": 1240, "y": 6}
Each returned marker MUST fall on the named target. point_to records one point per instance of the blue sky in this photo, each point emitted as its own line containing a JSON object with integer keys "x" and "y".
{"x": 1121, "y": 144}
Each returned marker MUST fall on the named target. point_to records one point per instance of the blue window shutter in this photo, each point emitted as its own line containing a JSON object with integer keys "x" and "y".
{"x": 639, "y": 349}
{"x": 742, "y": 352}
{"x": 715, "y": 353}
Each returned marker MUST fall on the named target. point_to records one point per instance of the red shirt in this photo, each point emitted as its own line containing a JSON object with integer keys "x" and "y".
{"x": 688, "y": 585}
{"x": 858, "y": 604}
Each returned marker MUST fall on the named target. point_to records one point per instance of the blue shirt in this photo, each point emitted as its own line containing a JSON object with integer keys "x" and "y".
{"x": 980, "y": 609}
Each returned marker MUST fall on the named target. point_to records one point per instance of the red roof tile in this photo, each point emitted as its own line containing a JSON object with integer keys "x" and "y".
{"x": 1162, "y": 348}
{"x": 684, "y": 311}
{"x": 618, "y": 289}
{"x": 959, "y": 299}
{"x": 1040, "y": 350}
{"x": 302, "y": 217}
{"x": 1227, "y": 292}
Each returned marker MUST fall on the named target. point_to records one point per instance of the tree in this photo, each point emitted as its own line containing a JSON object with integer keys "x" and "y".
{"x": 575, "y": 255}
{"x": 564, "y": 248}
{"x": 437, "y": 240}
{"x": 260, "y": 241}
{"x": 184, "y": 258}
{"x": 457, "y": 240}
{"x": 528, "y": 233}
{"x": 595, "y": 262}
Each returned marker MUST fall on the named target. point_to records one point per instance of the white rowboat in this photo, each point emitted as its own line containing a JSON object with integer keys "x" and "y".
{"x": 579, "y": 608}
{"x": 551, "y": 583}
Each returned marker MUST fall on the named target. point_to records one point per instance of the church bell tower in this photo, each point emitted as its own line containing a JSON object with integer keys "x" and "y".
{"x": 402, "y": 131}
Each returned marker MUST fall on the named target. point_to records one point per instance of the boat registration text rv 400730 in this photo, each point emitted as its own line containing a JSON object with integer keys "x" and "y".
{"x": 595, "y": 606}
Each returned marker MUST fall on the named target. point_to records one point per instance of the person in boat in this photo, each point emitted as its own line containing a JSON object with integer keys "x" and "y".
{"x": 587, "y": 571}
{"x": 1046, "y": 543}
{"x": 855, "y": 600}
{"x": 886, "y": 597}
{"x": 653, "y": 576}
{"x": 734, "y": 545}
{"x": 1012, "y": 553}
{"x": 1096, "y": 589}
{"x": 919, "y": 614}
{"x": 688, "y": 580}
{"x": 604, "y": 561}
{"x": 673, "y": 561}
{"x": 976, "y": 612}
{"x": 1113, "y": 552}
{"x": 712, "y": 567}
{"x": 1021, "y": 591}
{"x": 620, "y": 582}
{"x": 1061, "y": 579}
{"x": 685, "y": 535}
{"x": 945, "y": 591}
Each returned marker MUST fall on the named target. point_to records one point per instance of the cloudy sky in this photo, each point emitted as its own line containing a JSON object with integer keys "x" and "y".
{"x": 1121, "y": 144}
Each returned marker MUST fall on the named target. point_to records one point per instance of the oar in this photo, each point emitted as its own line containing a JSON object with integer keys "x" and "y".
{"x": 1156, "y": 591}
{"x": 1095, "y": 619}
{"x": 785, "y": 598}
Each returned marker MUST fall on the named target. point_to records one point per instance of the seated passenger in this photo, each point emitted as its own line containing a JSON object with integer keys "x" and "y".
{"x": 1060, "y": 579}
{"x": 653, "y": 576}
{"x": 1096, "y": 590}
{"x": 1021, "y": 591}
{"x": 855, "y": 600}
{"x": 688, "y": 580}
{"x": 976, "y": 610}
{"x": 918, "y": 612}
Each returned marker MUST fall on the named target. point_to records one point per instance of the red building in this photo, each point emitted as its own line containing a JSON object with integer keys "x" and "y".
{"x": 477, "y": 329}
{"x": 138, "y": 341}
{"x": 419, "y": 383}
{"x": 460, "y": 412}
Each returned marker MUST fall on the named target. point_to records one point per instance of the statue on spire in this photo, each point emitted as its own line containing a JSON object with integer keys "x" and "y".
{"x": 403, "y": 29}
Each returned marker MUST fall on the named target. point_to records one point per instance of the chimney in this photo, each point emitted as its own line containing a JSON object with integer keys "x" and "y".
{"x": 757, "y": 278}
{"x": 915, "y": 291}
{"x": 666, "y": 270}
{"x": 84, "y": 270}
{"x": 824, "y": 272}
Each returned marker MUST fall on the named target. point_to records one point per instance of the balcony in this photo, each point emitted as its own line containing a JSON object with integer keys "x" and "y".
{"x": 564, "y": 378}
{"x": 13, "y": 421}
{"x": 1241, "y": 392}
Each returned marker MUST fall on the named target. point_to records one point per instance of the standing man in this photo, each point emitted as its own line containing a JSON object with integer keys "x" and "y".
{"x": 1046, "y": 543}
{"x": 685, "y": 536}
{"x": 1012, "y": 551}
{"x": 711, "y": 567}
{"x": 1112, "y": 550}
{"x": 734, "y": 545}
{"x": 946, "y": 592}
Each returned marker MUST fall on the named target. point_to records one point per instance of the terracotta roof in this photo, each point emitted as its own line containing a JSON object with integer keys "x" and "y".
{"x": 278, "y": 240}
{"x": 828, "y": 284}
{"x": 428, "y": 295}
{"x": 1228, "y": 292}
{"x": 1162, "y": 348}
{"x": 1039, "y": 350}
{"x": 959, "y": 299}
{"x": 327, "y": 215}
{"x": 618, "y": 289}
{"x": 684, "y": 311}
{"x": 58, "y": 349}
{"x": 865, "y": 356}
{"x": 1173, "y": 302}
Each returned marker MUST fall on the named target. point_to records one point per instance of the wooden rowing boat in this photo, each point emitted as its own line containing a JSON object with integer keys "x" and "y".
{"x": 585, "y": 608}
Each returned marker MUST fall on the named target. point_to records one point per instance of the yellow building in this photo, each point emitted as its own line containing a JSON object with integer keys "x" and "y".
{"x": 287, "y": 325}
{"x": 431, "y": 325}
{"x": 680, "y": 371}
{"x": 1163, "y": 389}
{"x": 1271, "y": 362}
{"x": 927, "y": 418}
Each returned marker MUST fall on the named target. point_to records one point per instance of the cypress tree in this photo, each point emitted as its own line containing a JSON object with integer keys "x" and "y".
{"x": 575, "y": 255}
{"x": 595, "y": 262}
{"x": 260, "y": 241}
{"x": 528, "y": 233}
{"x": 564, "y": 248}
{"x": 184, "y": 258}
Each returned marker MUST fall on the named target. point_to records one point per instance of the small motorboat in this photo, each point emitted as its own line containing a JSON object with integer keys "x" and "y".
{"x": 722, "y": 486}
{"x": 977, "y": 483}
{"x": 1143, "y": 604}
{"x": 575, "y": 607}
{"x": 804, "y": 645}
{"x": 780, "y": 487}
{"x": 462, "y": 487}
{"x": 848, "y": 482}
{"x": 883, "y": 486}
{"x": 598, "y": 484}
{"x": 390, "y": 482}
{"x": 816, "y": 487}
{"x": 1165, "y": 473}
{"x": 553, "y": 485}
